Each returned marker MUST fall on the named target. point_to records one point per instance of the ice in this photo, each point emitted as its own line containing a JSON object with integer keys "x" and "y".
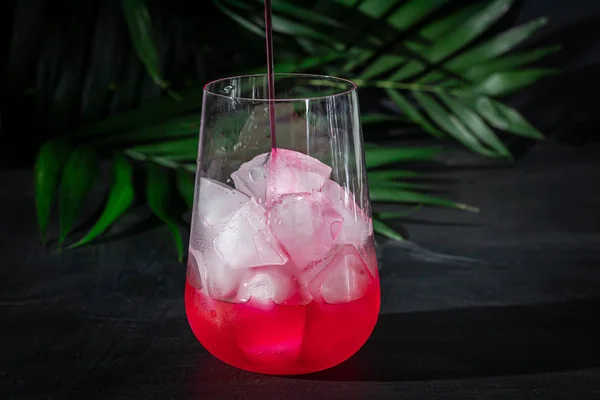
{"x": 269, "y": 175}
{"x": 341, "y": 277}
{"x": 356, "y": 226}
{"x": 272, "y": 283}
{"x": 216, "y": 201}
{"x": 222, "y": 282}
{"x": 241, "y": 240}
{"x": 271, "y": 334}
{"x": 196, "y": 269}
{"x": 293, "y": 172}
{"x": 251, "y": 177}
{"x": 369, "y": 254}
{"x": 245, "y": 240}
{"x": 306, "y": 225}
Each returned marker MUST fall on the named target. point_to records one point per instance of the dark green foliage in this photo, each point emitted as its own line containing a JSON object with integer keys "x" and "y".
{"x": 445, "y": 64}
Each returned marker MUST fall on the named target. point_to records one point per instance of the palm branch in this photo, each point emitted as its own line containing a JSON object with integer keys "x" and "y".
{"x": 443, "y": 71}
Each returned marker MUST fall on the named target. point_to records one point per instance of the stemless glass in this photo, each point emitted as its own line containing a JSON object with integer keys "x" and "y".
{"x": 282, "y": 274}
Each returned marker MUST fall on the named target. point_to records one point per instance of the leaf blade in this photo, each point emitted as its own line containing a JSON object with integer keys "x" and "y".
{"x": 366, "y": 119}
{"x": 79, "y": 174}
{"x": 48, "y": 170}
{"x": 399, "y": 214}
{"x": 182, "y": 146}
{"x": 303, "y": 13}
{"x": 120, "y": 198}
{"x": 145, "y": 115}
{"x": 390, "y": 175}
{"x": 159, "y": 198}
{"x": 185, "y": 186}
{"x": 480, "y": 71}
{"x": 176, "y": 128}
{"x": 451, "y": 124}
{"x": 412, "y": 112}
{"x": 463, "y": 31}
{"x": 506, "y": 118}
{"x": 468, "y": 30}
{"x": 139, "y": 24}
{"x": 243, "y": 22}
{"x": 384, "y": 229}
{"x": 476, "y": 124}
{"x": 503, "y": 83}
{"x": 378, "y": 156}
{"x": 497, "y": 46}
{"x": 393, "y": 195}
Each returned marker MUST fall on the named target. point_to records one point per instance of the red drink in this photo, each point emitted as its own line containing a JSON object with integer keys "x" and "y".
{"x": 279, "y": 339}
{"x": 282, "y": 273}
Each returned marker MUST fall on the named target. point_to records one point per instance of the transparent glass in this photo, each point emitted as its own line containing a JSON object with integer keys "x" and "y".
{"x": 282, "y": 274}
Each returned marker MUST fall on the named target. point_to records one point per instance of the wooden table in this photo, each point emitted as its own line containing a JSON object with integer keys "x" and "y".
{"x": 503, "y": 304}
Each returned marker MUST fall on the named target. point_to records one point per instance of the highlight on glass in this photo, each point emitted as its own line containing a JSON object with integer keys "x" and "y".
{"x": 282, "y": 274}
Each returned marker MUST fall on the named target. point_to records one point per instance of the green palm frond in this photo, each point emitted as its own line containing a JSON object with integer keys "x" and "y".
{"x": 443, "y": 64}
{"x": 435, "y": 70}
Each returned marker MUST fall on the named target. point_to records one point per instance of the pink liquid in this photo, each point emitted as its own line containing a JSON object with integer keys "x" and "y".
{"x": 264, "y": 337}
{"x": 270, "y": 77}
{"x": 277, "y": 339}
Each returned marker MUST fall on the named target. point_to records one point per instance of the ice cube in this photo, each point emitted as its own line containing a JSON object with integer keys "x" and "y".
{"x": 341, "y": 277}
{"x": 217, "y": 201}
{"x": 369, "y": 254}
{"x": 245, "y": 240}
{"x": 222, "y": 282}
{"x": 356, "y": 226}
{"x": 306, "y": 225}
{"x": 270, "y": 334}
{"x": 196, "y": 269}
{"x": 272, "y": 283}
{"x": 251, "y": 177}
{"x": 293, "y": 172}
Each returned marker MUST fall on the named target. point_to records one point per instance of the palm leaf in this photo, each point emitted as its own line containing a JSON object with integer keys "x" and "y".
{"x": 78, "y": 177}
{"x": 120, "y": 198}
{"x": 158, "y": 193}
{"x": 140, "y": 31}
{"x": 384, "y": 229}
{"x": 443, "y": 71}
{"x": 504, "y": 117}
{"x": 387, "y": 194}
{"x": 47, "y": 171}
{"x": 450, "y": 62}
{"x": 504, "y": 83}
{"x": 185, "y": 186}
{"x": 377, "y": 156}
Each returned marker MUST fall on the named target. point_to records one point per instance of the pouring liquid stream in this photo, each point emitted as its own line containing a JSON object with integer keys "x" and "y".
{"x": 270, "y": 77}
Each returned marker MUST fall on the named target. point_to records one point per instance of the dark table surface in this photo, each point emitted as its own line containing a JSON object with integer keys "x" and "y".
{"x": 503, "y": 304}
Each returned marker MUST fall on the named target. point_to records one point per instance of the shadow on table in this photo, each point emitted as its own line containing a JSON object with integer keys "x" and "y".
{"x": 475, "y": 342}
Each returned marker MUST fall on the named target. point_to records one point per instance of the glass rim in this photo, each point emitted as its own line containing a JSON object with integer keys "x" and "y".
{"x": 350, "y": 87}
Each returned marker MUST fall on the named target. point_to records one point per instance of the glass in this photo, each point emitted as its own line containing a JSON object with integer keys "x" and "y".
{"x": 282, "y": 274}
